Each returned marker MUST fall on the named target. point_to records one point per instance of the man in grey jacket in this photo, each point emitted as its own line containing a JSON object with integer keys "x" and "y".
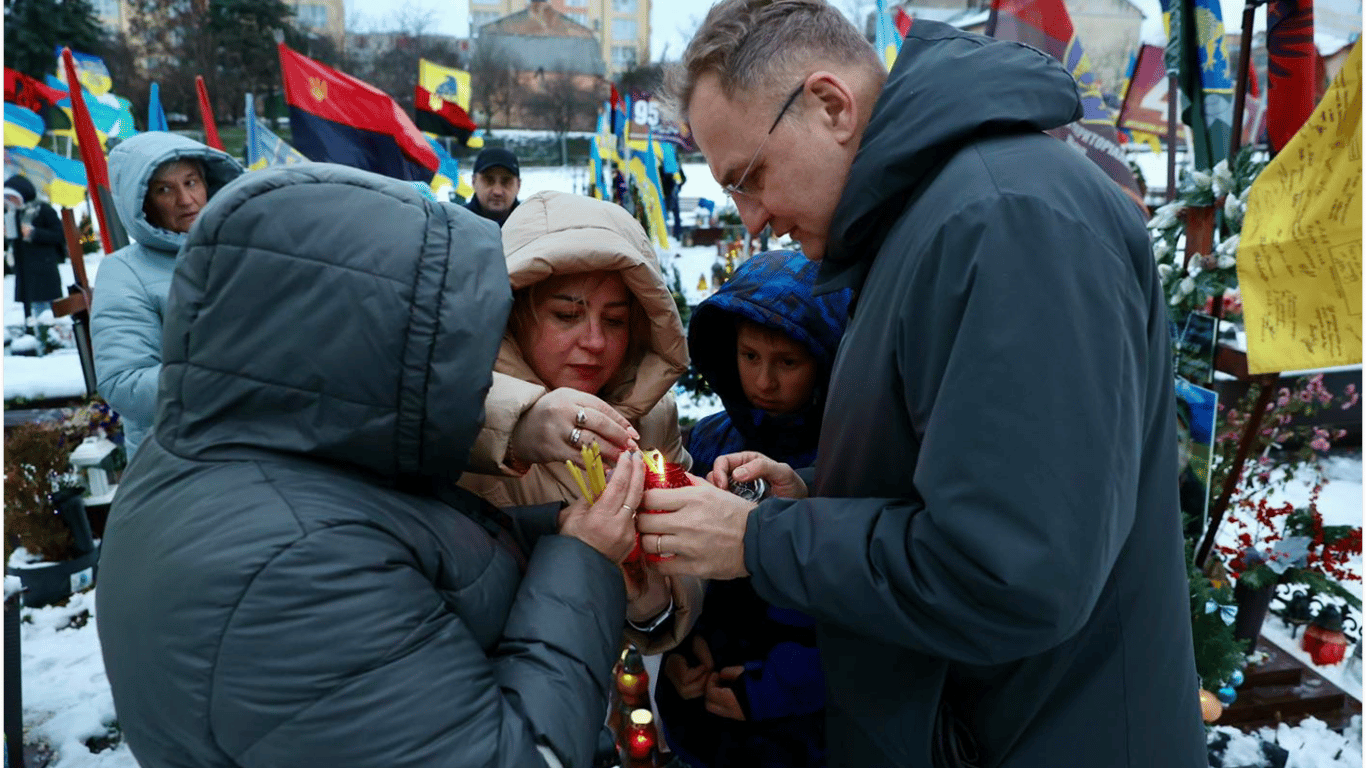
{"x": 160, "y": 182}
{"x": 990, "y": 542}
{"x": 290, "y": 576}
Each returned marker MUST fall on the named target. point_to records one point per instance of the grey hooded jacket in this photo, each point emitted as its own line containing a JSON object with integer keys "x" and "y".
{"x": 131, "y": 284}
{"x": 993, "y": 537}
{"x": 289, "y": 577}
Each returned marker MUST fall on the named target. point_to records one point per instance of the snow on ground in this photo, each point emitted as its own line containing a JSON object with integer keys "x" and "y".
{"x": 67, "y": 699}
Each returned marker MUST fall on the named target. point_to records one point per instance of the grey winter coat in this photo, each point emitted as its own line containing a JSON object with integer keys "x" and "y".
{"x": 131, "y": 284}
{"x": 282, "y": 584}
{"x": 993, "y": 537}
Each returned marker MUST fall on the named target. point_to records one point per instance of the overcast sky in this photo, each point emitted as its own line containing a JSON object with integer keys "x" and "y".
{"x": 672, "y": 21}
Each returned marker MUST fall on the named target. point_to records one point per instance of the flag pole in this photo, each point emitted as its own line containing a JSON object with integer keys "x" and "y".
{"x": 1235, "y": 142}
{"x": 1173, "y": 95}
{"x": 206, "y": 113}
{"x": 112, "y": 236}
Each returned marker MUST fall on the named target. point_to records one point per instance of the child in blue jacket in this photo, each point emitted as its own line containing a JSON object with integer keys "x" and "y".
{"x": 745, "y": 687}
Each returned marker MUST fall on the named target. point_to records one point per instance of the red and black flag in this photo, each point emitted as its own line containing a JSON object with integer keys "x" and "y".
{"x": 336, "y": 118}
{"x": 1291, "y": 83}
{"x": 442, "y": 101}
{"x": 41, "y": 99}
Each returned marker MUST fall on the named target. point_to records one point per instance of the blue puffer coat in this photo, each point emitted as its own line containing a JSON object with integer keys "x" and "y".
{"x": 132, "y": 282}
{"x": 782, "y": 690}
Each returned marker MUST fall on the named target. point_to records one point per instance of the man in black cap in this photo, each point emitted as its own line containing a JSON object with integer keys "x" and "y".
{"x": 497, "y": 179}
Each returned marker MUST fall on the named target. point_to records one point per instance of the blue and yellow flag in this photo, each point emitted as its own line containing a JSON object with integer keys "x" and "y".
{"x": 888, "y": 41}
{"x": 598, "y": 159}
{"x": 111, "y": 115}
{"x": 644, "y": 168}
{"x": 1196, "y": 56}
{"x": 23, "y": 127}
{"x": 448, "y": 171}
{"x": 90, "y": 70}
{"x": 62, "y": 179}
{"x": 265, "y": 149}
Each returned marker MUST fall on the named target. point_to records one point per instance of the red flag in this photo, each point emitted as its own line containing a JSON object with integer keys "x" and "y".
{"x": 903, "y": 22}
{"x": 1145, "y": 100}
{"x": 112, "y": 235}
{"x": 29, "y": 93}
{"x": 1290, "y": 56}
{"x": 206, "y": 114}
{"x": 449, "y": 120}
{"x": 339, "y": 119}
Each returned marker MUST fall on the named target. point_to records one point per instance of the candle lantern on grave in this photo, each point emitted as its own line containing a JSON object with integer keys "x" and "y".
{"x": 1324, "y": 639}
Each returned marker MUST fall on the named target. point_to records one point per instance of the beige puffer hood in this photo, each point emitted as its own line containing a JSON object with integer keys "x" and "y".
{"x": 555, "y": 233}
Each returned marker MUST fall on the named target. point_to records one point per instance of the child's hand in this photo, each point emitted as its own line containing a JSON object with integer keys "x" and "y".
{"x": 689, "y": 681}
{"x": 782, "y": 479}
{"x": 721, "y": 698}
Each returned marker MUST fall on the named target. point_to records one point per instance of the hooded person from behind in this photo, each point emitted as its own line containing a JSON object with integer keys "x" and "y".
{"x": 289, "y": 576}
{"x": 131, "y": 285}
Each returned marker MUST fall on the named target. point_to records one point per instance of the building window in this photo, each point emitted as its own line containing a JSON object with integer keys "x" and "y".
{"x": 624, "y": 6}
{"x": 623, "y": 29}
{"x": 624, "y": 56}
{"x": 578, "y": 17}
{"x": 312, "y": 15}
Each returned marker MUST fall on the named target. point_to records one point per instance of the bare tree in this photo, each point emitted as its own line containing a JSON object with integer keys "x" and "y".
{"x": 493, "y": 80}
{"x": 561, "y": 105}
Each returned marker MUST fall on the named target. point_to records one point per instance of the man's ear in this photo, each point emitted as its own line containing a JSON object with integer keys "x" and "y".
{"x": 837, "y": 103}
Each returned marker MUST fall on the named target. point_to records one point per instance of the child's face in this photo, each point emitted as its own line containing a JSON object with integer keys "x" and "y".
{"x": 777, "y": 373}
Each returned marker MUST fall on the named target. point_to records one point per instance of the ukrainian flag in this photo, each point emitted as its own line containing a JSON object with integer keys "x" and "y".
{"x": 62, "y": 179}
{"x": 110, "y": 115}
{"x": 23, "y": 127}
{"x": 90, "y": 70}
{"x": 644, "y": 167}
{"x": 448, "y": 172}
{"x": 888, "y": 41}
{"x": 265, "y": 149}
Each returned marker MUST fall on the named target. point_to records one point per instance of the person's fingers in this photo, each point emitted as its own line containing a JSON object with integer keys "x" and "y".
{"x": 727, "y": 674}
{"x": 624, "y": 488}
{"x": 674, "y": 499}
{"x": 595, "y": 407}
{"x": 718, "y": 479}
{"x": 703, "y": 652}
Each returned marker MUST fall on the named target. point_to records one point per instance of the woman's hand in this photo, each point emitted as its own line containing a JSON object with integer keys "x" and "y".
{"x": 609, "y": 526}
{"x": 690, "y": 681}
{"x": 548, "y": 431}
{"x": 782, "y": 479}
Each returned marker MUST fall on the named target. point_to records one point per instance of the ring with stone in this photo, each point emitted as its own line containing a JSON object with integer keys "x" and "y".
{"x": 580, "y": 418}
{"x": 574, "y": 436}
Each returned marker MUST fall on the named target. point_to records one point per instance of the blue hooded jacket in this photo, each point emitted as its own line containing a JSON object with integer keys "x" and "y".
{"x": 782, "y": 690}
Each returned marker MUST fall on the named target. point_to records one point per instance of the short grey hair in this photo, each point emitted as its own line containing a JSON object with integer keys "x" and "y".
{"x": 749, "y": 44}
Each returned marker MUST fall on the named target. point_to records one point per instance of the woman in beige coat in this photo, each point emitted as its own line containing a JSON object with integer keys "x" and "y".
{"x": 593, "y": 346}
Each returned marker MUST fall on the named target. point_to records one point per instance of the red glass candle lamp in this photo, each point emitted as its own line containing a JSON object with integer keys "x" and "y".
{"x": 633, "y": 682}
{"x": 640, "y": 736}
{"x": 660, "y": 474}
{"x": 1323, "y": 639}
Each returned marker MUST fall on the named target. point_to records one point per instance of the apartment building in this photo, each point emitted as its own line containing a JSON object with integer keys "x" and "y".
{"x": 321, "y": 17}
{"x": 622, "y": 27}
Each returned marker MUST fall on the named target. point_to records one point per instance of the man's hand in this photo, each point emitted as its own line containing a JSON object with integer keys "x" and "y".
{"x": 542, "y": 435}
{"x": 746, "y": 465}
{"x": 721, "y": 698}
{"x": 689, "y": 681}
{"x": 703, "y": 532}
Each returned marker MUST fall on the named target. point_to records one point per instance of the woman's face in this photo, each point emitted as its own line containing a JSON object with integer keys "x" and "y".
{"x": 580, "y": 330}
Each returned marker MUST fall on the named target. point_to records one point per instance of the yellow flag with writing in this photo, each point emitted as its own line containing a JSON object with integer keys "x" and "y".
{"x": 1299, "y": 259}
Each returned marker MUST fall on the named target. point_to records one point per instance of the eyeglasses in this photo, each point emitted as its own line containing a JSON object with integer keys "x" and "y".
{"x": 738, "y": 188}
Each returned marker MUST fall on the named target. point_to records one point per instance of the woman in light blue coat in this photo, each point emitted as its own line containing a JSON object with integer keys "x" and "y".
{"x": 159, "y": 182}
